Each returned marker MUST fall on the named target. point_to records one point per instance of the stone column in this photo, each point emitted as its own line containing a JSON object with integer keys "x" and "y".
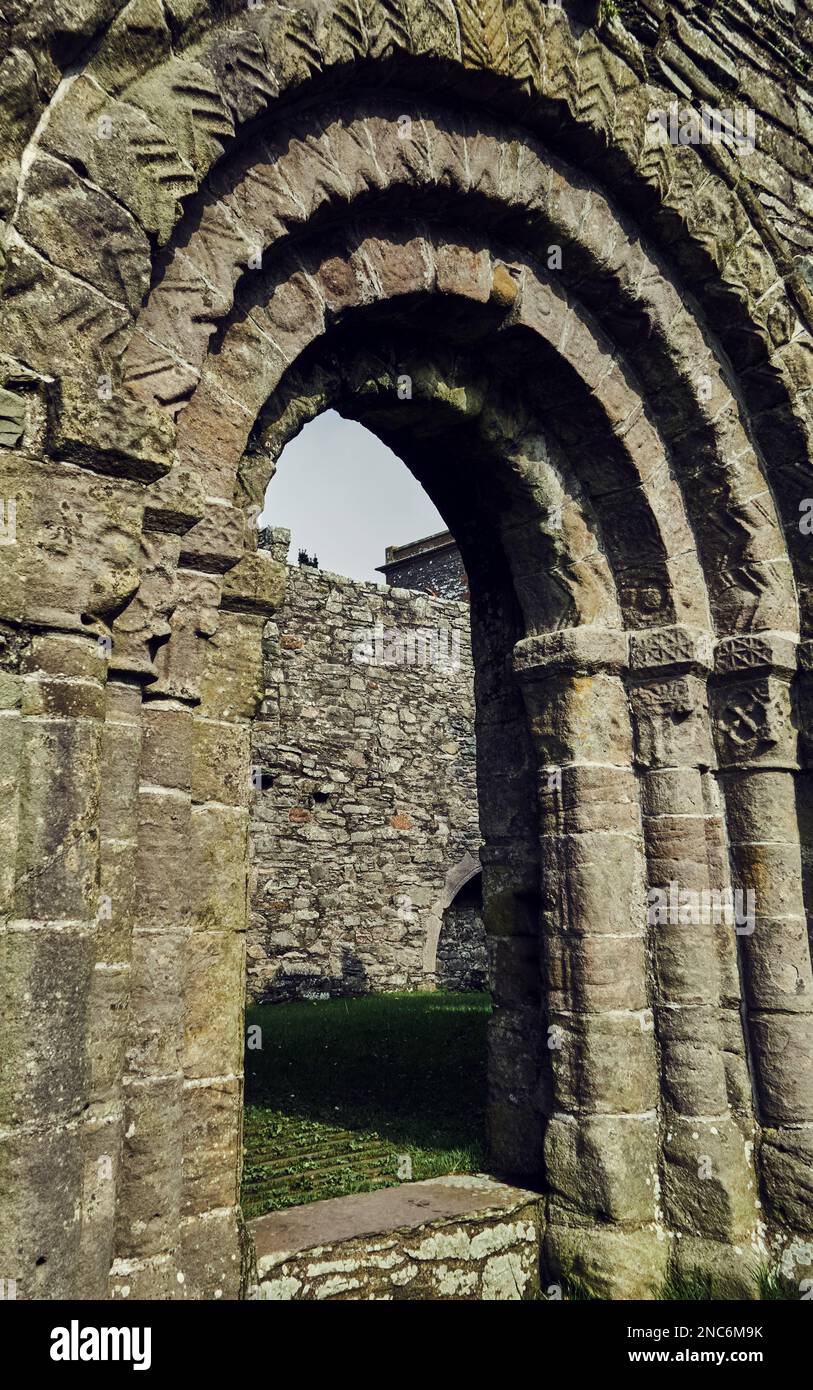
{"x": 509, "y": 856}
{"x": 148, "y": 1216}
{"x": 708, "y": 1185}
{"x": 518, "y": 1069}
{"x": 154, "y": 808}
{"x": 70, "y": 564}
{"x": 601, "y": 1144}
{"x": 785, "y": 1163}
{"x": 213, "y": 1245}
{"x": 757, "y": 752}
{"x": 52, "y": 738}
{"x": 109, "y": 997}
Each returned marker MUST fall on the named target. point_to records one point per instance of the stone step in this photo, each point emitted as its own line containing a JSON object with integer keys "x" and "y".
{"x": 456, "y": 1238}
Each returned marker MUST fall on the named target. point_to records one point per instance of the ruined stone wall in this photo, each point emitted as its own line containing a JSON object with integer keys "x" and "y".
{"x": 366, "y": 797}
{"x": 455, "y": 1238}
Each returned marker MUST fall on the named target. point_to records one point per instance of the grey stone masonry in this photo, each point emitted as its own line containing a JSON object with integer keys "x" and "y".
{"x": 462, "y": 962}
{"x": 433, "y": 564}
{"x": 364, "y": 786}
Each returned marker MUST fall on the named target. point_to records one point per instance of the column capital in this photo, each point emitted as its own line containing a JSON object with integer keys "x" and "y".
{"x": 751, "y": 701}
{"x": 666, "y": 651}
{"x": 769, "y": 653}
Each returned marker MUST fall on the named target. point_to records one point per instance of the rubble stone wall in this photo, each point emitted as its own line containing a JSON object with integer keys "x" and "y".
{"x": 366, "y": 789}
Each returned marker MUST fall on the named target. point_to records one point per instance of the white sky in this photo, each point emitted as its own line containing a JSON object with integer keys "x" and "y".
{"x": 345, "y": 496}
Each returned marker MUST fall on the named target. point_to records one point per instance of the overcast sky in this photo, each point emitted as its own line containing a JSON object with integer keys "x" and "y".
{"x": 344, "y": 497}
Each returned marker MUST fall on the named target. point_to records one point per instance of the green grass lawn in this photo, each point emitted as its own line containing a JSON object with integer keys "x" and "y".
{"x": 342, "y": 1087}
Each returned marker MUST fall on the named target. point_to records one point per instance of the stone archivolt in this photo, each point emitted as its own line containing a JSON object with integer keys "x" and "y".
{"x": 221, "y": 227}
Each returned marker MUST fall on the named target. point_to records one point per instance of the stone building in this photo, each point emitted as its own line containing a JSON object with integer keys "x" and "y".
{"x": 559, "y": 259}
{"x": 433, "y": 564}
{"x": 364, "y": 824}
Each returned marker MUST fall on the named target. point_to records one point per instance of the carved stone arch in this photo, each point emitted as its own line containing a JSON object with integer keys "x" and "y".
{"x": 274, "y": 51}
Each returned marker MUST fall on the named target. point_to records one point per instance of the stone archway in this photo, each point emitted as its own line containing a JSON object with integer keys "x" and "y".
{"x": 456, "y": 878}
{"x": 275, "y": 211}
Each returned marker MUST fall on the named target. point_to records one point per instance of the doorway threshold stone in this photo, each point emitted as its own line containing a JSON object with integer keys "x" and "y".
{"x": 452, "y": 1238}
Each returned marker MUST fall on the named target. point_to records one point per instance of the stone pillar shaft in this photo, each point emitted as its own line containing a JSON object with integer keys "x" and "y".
{"x": 51, "y": 731}
{"x": 148, "y": 1219}
{"x": 757, "y": 754}
{"x": 108, "y": 1017}
{"x": 601, "y": 1143}
{"x": 707, "y": 1178}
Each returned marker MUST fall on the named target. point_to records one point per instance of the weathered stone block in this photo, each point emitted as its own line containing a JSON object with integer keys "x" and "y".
{"x": 786, "y": 1165}
{"x": 593, "y": 883}
{"x": 709, "y": 1187}
{"x": 102, "y": 1135}
{"x": 781, "y": 1043}
{"x": 40, "y": 1217}
{"x": 219, "y": 836}
{"x": 585, "y": 799}
{"x": 151, "y": 1170}
{"x": 221, "y": 758}
{"x": 211, "y": 1160}
{"x": 213, "y": 1004}
{"x": 595, "y": 972}
{"x": 692, "y": 1062}
{"x": 164, "y": 843}
{"x": 615, "y": 1263}
{"x": 108, "y": 1018}
{"x": 603, "y": 1062}
{"x": 212, "y": 1254}
{"x": 46, "y": 1070}
{"x": 604, "y": 1166}
{"x": 77, "y": 545}
{"x": 581, "y": 717}
{"x": 232, "y": 686}
{"x": 157, "y": 980}
{"x": 166, "y": 745}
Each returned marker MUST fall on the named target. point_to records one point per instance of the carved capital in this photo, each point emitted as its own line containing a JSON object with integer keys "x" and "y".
{"x": 753, "y": 722}
{"x": 670, "y": 720}
{"x": 218, "y": 541}
{"x": 752, "y": 705}
{"x": 756, "y": 651}
{"x": 255, "y": 585}
{"x": 144, "y": 625}
{"x": 121, "y": 436}
{"x": 175, "y": 503}
{"x": 70, "y": 557}
{"x": 671, "y": 650}
{"x": 195, "y": 621}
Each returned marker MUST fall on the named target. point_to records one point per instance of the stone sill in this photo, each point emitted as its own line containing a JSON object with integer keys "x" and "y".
{"x": 453, "y": 1238}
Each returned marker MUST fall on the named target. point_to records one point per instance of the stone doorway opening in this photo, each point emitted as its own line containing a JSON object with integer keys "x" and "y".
{"x": 462, "y": 955}
{"x": 363, "y": 747}
{"x": 365, "y": 790}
